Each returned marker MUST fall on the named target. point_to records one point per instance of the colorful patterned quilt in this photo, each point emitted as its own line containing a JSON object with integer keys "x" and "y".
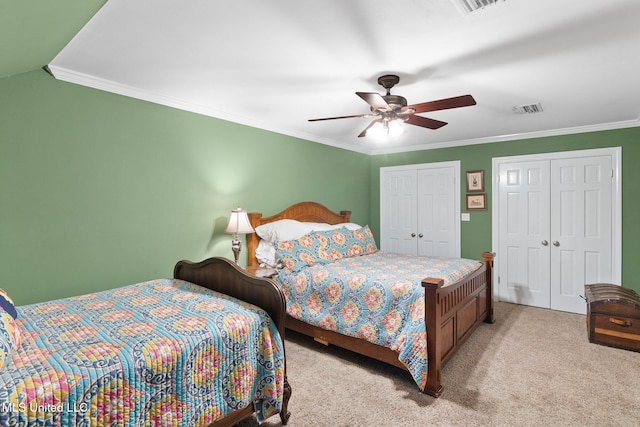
{"x": 378, "y": 297}
{"x": 159, "y": 353}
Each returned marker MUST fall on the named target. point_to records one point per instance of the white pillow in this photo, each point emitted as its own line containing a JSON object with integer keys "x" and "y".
{"x": 266, "y": 254}
{"x": 348, "y": 225}
{"x": 290, "y": 229}
{"x": 285, "y": 229}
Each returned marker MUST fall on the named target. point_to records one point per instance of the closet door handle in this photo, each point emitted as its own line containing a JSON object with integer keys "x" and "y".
{"x": 413, "y": 234}
{"x": 421, "y": 235}
{"x": 556, "y": 243}
{"x": 545, "y": 243}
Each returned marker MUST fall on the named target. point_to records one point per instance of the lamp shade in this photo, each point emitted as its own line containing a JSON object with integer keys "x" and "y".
{"x": 386, "y": 128}
{"x": 239, "y": 223}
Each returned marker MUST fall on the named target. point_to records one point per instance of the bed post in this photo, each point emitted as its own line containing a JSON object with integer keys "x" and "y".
{"x": 433, "y": 319}
{"x": 253, "y": 239}
{"x": 488, "y": 260}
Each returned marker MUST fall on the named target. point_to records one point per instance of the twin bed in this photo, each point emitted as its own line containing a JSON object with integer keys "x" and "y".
{"x": 203, "y": 349}
{"x": 411, "y": 312}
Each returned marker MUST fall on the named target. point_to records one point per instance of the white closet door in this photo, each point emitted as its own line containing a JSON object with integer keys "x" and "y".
{"x": 398, "y": 211}
{"x": 524, "y": 233}
{"x": 437, "y": 218}
{"x": 581, "y": 230}
{"x": 420, "y": 209}
{"x": 557, "y": 228}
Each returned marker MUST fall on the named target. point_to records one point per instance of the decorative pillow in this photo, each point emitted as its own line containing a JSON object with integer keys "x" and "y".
{"x": 344, "y": 243}
{"x": 337, "y": 243}
{"x": 10, "y": 337}
{"x": 288, "y": 230}
{"x": 302, "y": 252}
{"x": 321, "y": 247}
{"x": 7, "y": 304}
{"x": 365, "y": 237}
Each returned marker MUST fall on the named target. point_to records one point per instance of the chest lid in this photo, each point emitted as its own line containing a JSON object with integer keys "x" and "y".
{"x": 606, "y": 298}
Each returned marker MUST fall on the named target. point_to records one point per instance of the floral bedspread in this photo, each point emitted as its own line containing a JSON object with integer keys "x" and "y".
{"x": 378, "y": 297}
{"x": 159, "y": 353}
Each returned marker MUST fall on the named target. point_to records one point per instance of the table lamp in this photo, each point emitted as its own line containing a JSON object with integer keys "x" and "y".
{"x": 238, "y": 224}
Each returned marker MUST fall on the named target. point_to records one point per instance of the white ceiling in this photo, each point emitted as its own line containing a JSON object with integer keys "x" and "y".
{"x": 275, "y": 64}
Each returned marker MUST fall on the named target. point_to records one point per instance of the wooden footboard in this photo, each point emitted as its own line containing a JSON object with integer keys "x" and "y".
{"x": 222, "y": 275}
{"x": 452, "y": 313}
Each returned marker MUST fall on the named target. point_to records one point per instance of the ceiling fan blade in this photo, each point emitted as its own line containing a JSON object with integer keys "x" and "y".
{"x": 442, "y": 104}
{"x": 364, "y": 132}
{"x": 376, "y": 101}
{"x": 341, "y": 117}
{"x": 425, "y": 122}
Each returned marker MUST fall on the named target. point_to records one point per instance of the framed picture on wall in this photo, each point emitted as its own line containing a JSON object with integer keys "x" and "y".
{"x": 475, "y": 181}
{"x": 476, "y": 202}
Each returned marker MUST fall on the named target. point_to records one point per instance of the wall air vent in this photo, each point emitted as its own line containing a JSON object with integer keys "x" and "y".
{"x": 468, "y": 6}
{"x": 528, "y": 109}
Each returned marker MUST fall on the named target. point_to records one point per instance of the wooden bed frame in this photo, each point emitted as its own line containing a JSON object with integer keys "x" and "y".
{"x": 452, "y": 312}
{"x": 223, "y": 275}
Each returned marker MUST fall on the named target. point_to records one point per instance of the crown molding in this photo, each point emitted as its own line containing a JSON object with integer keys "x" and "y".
{"x": 70, "y": 76}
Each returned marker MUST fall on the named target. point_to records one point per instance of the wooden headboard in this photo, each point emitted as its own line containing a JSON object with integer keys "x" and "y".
{"x": 303, "y": 211}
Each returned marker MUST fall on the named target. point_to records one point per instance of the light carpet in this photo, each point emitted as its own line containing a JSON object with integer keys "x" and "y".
{"x": 532, "y": 367}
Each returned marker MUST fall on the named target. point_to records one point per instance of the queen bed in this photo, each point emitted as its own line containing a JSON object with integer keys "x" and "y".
{"x": 411, "y": 312}
{"x": 202, "y": 349}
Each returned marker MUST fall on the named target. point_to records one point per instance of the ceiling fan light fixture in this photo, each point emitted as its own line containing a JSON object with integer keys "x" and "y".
{"x": 392, "y": 110}
{"x": 383, "y": 129}
{"x": 377, "y": 130}
{"x": 395, "y": 128}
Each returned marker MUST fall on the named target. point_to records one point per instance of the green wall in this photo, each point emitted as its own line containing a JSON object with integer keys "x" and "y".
{"x": 100, "y": 190}
{"x": 476, "y": 234}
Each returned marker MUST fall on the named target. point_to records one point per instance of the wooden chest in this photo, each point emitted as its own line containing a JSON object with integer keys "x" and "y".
{"x": 613, "y": 316}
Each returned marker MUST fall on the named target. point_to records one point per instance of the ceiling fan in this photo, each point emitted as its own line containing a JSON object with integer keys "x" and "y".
{"x": 392, "y": 110}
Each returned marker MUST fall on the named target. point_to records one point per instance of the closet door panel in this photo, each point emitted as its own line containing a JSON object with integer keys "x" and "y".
{"x": 524, "y": 231}
{"x": 398, "y": 211}
{"x": 436, "y": 212}
{"x": 580, "y": 218}
{"x": 420, "y": 209}
{"x": 580, "y": 228}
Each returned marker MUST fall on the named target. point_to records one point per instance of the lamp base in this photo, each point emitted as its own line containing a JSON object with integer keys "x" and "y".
{"x": 236, "y": 247}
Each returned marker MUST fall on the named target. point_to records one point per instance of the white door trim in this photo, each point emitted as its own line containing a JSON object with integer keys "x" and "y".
{"x": 616, "y": 195}
{"x": 455, "y": 164}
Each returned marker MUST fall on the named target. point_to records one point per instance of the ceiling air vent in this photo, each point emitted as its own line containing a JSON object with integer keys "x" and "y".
{"x": 528, "y": 109}
{"x": 468, "y": 6}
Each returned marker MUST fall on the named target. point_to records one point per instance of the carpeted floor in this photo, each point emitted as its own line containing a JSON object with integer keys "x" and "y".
{"x": 533, "y": 367}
